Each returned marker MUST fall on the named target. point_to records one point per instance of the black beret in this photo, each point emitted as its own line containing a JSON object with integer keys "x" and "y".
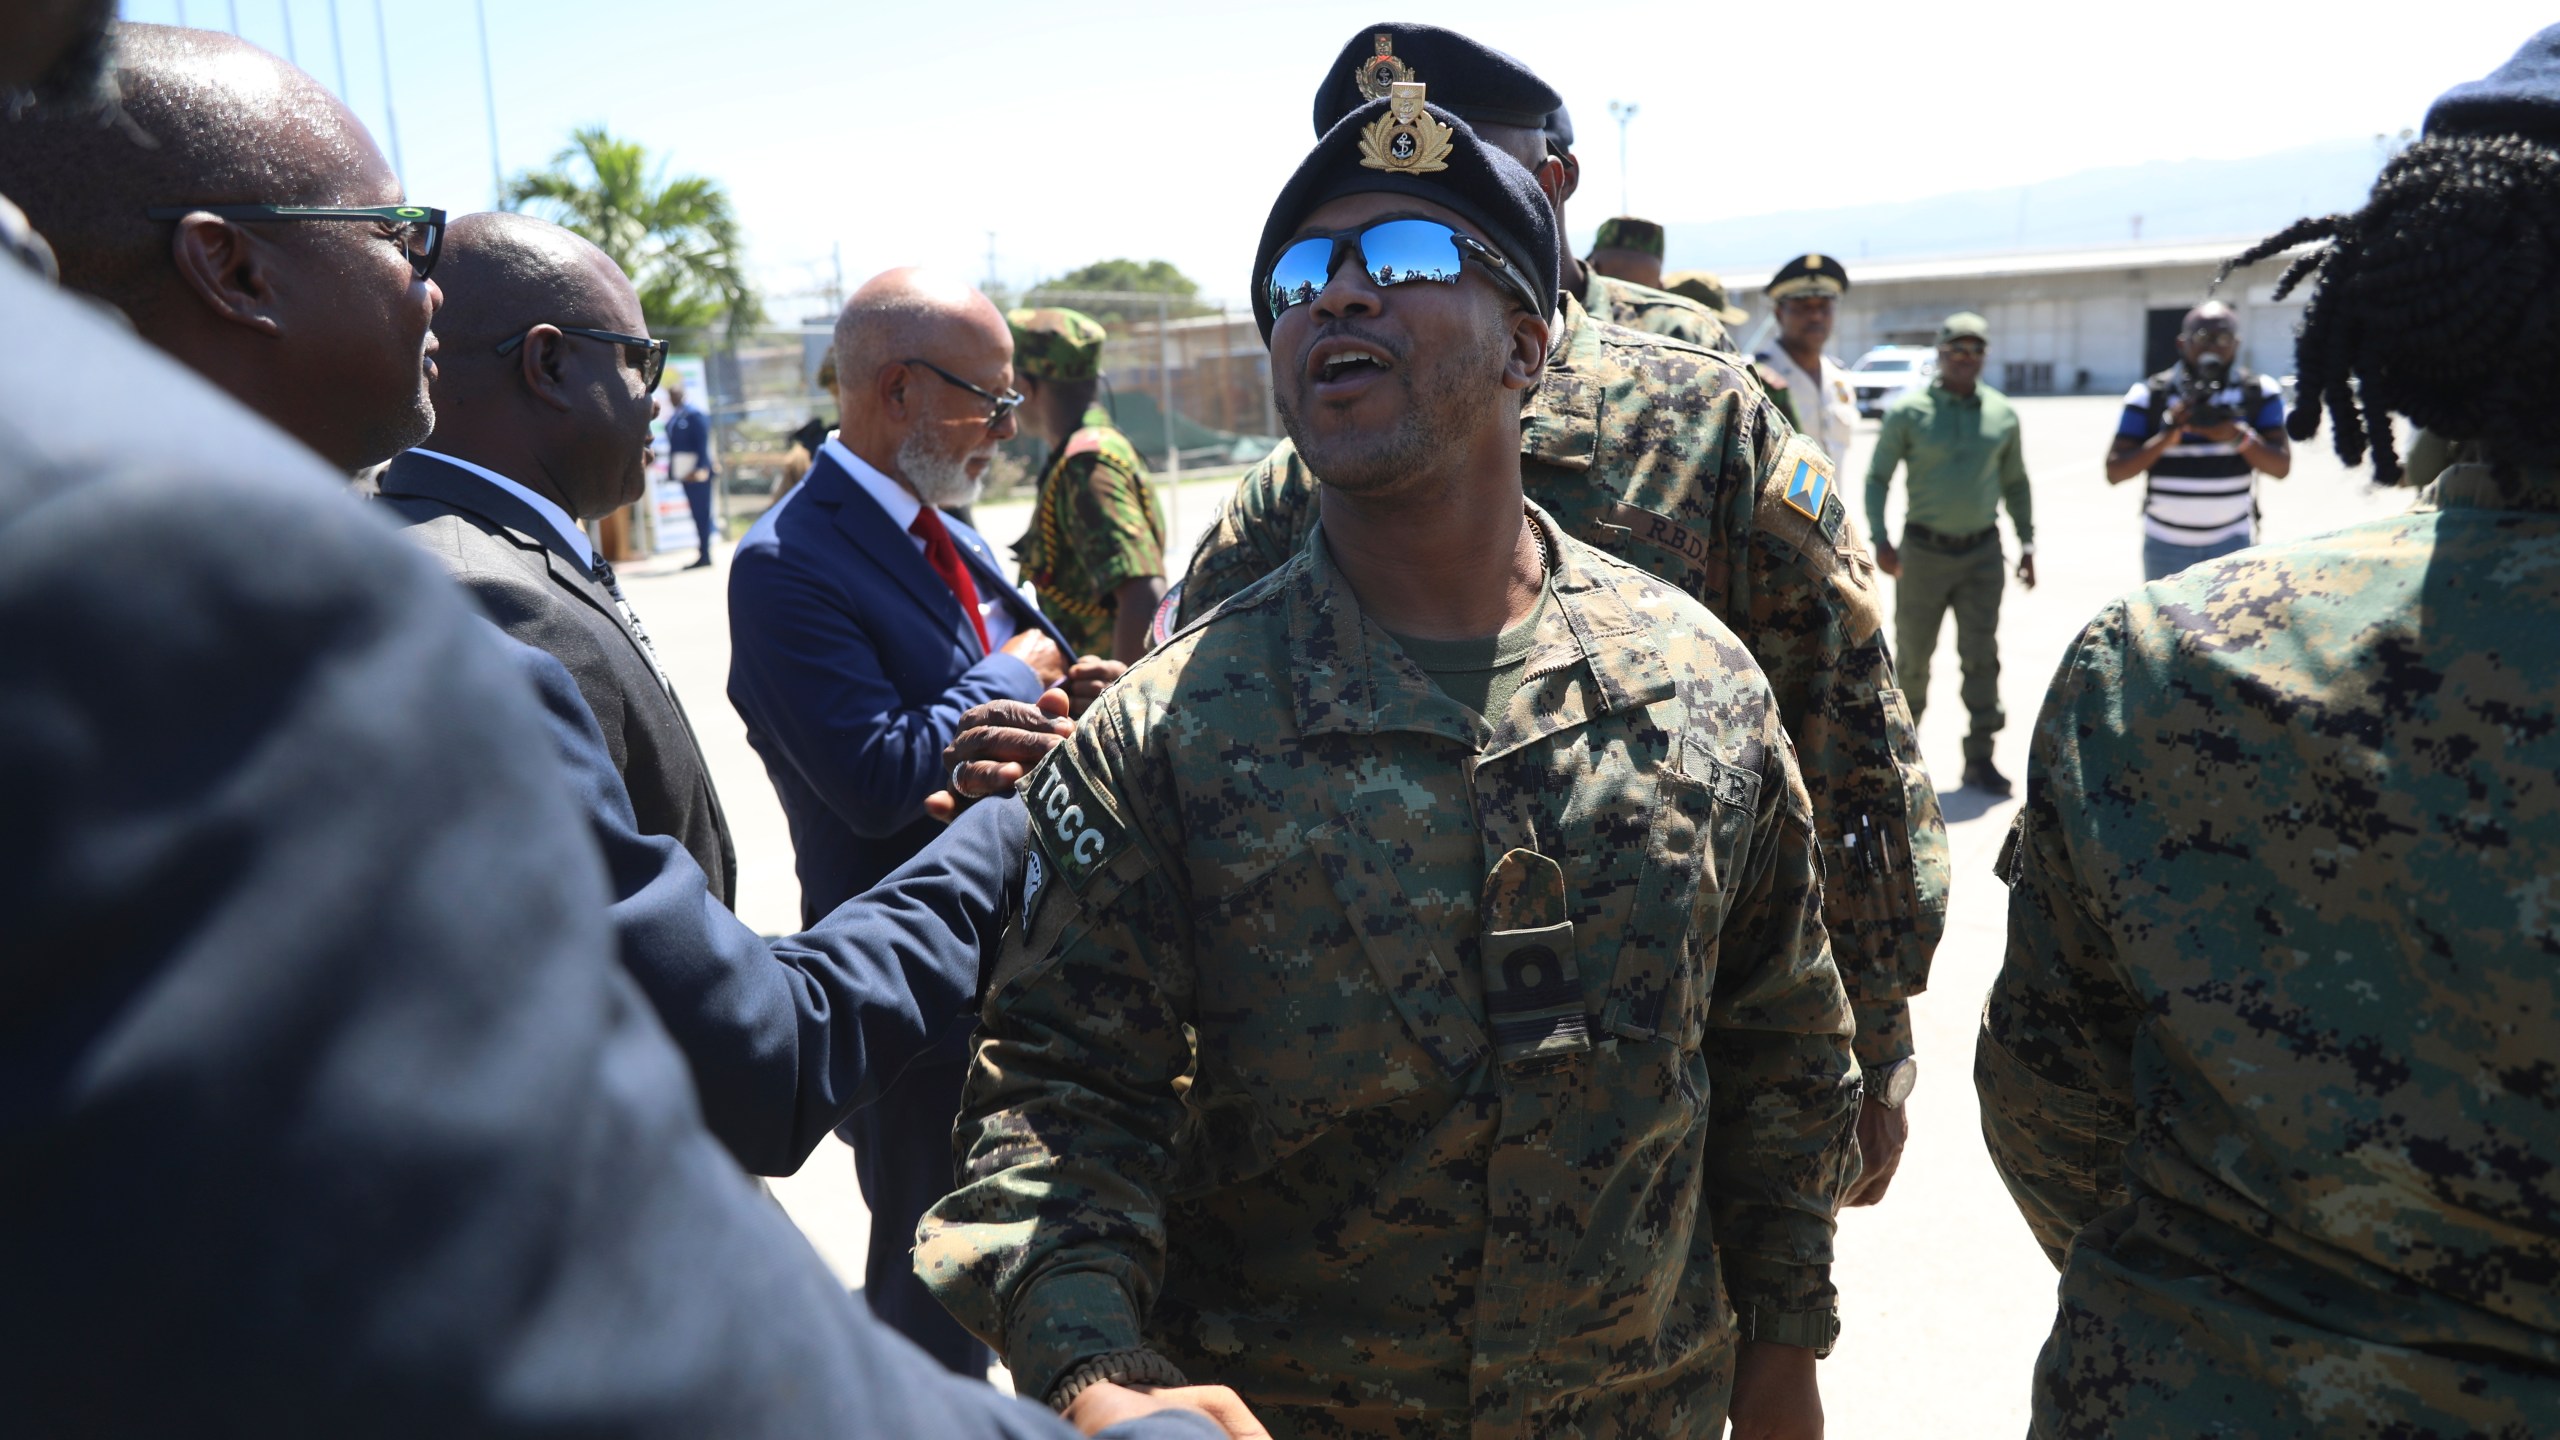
{"x": 1471, "y": 80}
{"x": 1479, "y": 183}
{"x": 2521, "y": 97}
{"x": 1560, "y": 128}
{"x": 1808, "y": 275}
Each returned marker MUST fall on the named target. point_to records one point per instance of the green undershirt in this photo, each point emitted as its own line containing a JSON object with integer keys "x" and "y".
{"x": 1484, "y": 673}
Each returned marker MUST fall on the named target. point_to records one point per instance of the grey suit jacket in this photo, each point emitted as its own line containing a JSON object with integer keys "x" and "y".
{"x": 527, "y": 580}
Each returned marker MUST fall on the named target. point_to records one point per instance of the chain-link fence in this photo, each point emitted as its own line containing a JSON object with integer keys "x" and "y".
{"x": 1187, "y": 380}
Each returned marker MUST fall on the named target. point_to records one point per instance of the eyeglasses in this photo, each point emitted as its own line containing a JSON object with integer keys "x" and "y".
{"x": 999, "y": 405}
{"x": 418, "y": 228}
{"x": 643, "y": 354}
{"x": 1394, "y": 252}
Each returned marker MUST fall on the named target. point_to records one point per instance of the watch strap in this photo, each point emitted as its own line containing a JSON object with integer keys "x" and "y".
{"x": 1815, "y": 1330}
{"x": 1120, "y": 1367}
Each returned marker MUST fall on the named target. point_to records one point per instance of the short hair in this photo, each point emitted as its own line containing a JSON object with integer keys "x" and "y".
{"x": 203, "y": 119}
{"x": 895, "y": 316}
{"x": 503, "y": 272}
{"x": 2438, "y": 300}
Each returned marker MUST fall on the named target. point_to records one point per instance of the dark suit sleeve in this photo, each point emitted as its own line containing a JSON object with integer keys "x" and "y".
{"x": 788, "y": 1037}
{"x": 804, "y": 669}
{"x": 326, "y": 1108}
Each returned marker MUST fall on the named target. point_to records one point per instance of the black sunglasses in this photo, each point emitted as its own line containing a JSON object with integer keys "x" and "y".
{"x": 1394, "y": 252}
{"x": 999, "y": 406}
{"x": 645, "y": 355}
{"x": 419, "y": 228}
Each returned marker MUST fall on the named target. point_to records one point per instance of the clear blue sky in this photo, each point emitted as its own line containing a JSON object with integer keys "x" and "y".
{"x": 907, "y": 132}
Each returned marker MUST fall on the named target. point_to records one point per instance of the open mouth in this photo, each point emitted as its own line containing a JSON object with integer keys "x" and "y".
{"x": 1334, "y": 364}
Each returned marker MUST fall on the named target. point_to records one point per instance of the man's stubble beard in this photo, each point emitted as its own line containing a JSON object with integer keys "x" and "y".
{"x": 1445, "y": 402}
{"x": 939, "y": 480}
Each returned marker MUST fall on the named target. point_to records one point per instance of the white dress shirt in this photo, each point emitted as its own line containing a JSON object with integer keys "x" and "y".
{"x": 1826, "y": 404}
{"x": 566, "y": 528}
{"x": 903, "y": 507}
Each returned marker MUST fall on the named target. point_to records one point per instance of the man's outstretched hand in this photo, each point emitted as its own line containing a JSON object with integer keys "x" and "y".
{"x": 997, "y": 745}
{"x": 1087, "y": 679}
{"x": 1098, "y": 1407}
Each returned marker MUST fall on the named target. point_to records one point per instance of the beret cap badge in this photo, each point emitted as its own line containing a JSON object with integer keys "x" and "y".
{"x": 1406, "y": 139}
{"x": 1380, "y": 71}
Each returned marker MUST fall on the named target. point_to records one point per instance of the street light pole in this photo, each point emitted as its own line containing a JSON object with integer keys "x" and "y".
{"x": 1622, "y": 111}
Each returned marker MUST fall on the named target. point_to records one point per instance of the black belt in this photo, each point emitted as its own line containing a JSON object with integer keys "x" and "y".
{"x": 1941, "y": 540}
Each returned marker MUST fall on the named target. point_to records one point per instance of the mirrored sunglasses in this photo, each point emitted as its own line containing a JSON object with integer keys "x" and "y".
{"x": 1393, "y": 252}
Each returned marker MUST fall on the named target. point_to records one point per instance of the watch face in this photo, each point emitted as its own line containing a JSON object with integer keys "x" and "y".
{"x": 1899, "y": 1081}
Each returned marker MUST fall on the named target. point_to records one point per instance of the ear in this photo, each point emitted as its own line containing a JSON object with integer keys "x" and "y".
{"x": 542, "y": 363}
{"x": 227, "y": 270}
{"x": 889, "y": 389}
{"x": 1526, "y": 363}
{"x": 1568, "y": 177}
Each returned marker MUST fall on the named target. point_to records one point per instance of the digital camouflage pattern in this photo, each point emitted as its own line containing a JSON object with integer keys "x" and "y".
{"x": 2276, "y": 1050}
{"x": 1095, "y": 526}
{"x": 1655, "y": 312}
{"x": 1665, "y": 456}
{"x": 1488, "y": 1126}
{"x": 1055, "y": 343}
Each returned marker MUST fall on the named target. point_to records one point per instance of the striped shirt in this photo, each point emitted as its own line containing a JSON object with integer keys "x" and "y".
{"x": 2201, "y": 491}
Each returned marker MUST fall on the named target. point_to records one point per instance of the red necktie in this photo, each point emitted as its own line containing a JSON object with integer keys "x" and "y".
{"x": 944, "y": 557}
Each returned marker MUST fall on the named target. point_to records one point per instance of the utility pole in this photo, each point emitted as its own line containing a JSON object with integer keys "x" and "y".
{"x": 337, "y": 45}
{"x": 290, "y": 54}
{"x": 390, "y": 110}
{"x": 835, "y": 292}
{"x": 489, "y": 93}
{"x": 991, "y": 262}
{"x": 235, "y": 17}
{"x": 1622, "y": 111}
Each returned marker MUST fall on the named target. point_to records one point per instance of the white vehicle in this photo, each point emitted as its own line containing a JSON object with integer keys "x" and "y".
{"x": 1888, "y": 372}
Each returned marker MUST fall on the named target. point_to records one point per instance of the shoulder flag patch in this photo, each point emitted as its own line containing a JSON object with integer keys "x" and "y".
{"x": 1808, "y": 487}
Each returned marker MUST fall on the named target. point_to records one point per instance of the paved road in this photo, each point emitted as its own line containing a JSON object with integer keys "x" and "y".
{"x": 1945, "y": 1298}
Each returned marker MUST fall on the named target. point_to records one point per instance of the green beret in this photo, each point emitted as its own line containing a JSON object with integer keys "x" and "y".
{"x": 1625, "y": 232}
{"x": 1055, "y": 344}
{"x": 1964, "y": 325}
{"x": 1708, "y": 290}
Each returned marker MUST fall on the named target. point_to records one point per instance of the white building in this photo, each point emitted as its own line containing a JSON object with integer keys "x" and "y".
{"x": 2063, "y": 322}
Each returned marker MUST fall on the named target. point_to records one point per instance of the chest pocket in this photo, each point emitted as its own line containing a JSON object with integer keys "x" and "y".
{"x": 1694, "y": 853}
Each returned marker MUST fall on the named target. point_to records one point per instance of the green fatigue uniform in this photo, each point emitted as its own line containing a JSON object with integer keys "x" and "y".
{"x": 1966, "y": 460}
{"x": 1412, "y": 1074}
{"x": 2270, "y": 1068}
{"x": 1667, "y": 457}
{"x": 1095, "y": 526}
{"x": 1656, "y": 312}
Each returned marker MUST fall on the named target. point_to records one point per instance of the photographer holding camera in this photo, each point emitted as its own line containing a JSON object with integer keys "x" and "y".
{"x": 2203, "y": 428}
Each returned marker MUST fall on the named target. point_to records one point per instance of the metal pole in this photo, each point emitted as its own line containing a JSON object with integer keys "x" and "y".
{"x": 1164, "y": 392}
{"x": 390, "y": 110}
{"x": 235, "y": 17}
{"x": 489, "y": 93}
{"x": 290, "y": 54}
{"x": 1622, "y": 112}
{"x": 338, "y": 46}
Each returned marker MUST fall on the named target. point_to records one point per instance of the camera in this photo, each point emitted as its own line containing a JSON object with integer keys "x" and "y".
{"x": 2207, "y": 376}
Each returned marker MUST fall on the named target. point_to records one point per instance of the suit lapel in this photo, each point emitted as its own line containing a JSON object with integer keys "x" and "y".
{"x": 980, "y": 558}
{"x": 889, "y": 548}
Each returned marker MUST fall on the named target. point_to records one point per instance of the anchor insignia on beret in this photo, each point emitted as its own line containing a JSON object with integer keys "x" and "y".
{"x": 1406, "y": 139}
{"x": 1382, "y": 70}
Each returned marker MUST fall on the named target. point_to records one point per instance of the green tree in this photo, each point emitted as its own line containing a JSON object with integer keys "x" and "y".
{"x": 676, "y": 238}
{"x": 1150, "y": 277}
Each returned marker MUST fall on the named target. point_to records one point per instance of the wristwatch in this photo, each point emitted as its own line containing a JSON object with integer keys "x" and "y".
{"x": 2026, "y": 548}
{"x": 1815, "y": 1330}
{"x": 1892, "y": 1085}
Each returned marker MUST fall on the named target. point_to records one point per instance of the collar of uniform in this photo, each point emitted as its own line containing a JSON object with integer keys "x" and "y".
{"x": 1347, "y": 674}
{"x": 1939, "y": 388}
{"x": 2478, "y": 486}
{"x": 1560, "y": 425}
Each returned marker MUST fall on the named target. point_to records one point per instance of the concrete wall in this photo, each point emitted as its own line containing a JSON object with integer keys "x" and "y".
{"x": 2071, "y": 320}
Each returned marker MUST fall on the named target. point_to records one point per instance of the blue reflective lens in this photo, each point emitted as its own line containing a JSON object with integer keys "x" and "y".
{"x": 1392, "y": 251}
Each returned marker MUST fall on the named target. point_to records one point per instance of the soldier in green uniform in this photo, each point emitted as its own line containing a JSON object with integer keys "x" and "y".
{"x": 1960, "y": 440}
{"x": 1629, "y": 249}
{"x": 1708, "y": 289}
{"x": 1670, "y": 457}
{"x": 1418, "y": 1018}
{"x": 1095, "y": 549}
{"x": 2270, "y": 1068}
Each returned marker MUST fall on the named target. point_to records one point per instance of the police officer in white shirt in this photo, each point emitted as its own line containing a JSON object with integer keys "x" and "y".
{"x": 1816, "y": 393}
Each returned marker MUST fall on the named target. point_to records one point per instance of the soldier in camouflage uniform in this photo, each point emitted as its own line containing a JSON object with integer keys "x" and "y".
{"x": 1629, "y": 249}
{"x": 1422, "y": 1045}
{"x": 1095, "y": 548}
{"x": 2271, "y": 1066}
{"x": 1672, "y": 459}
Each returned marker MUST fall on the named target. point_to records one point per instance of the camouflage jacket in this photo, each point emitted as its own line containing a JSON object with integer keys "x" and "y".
{"x": 1656, "y": 312}
{"x": 2276, "y": 1049}
{"x": 1665, "y": 456}
{"x": 1487, "y": 1127}
{"x": 1094, "y": 526}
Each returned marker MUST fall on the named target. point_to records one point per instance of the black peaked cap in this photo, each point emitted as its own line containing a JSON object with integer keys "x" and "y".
{"x": 1482, "y": 185}
{"x": 2521, "y": 97}
{"x": 1467, "y": 77}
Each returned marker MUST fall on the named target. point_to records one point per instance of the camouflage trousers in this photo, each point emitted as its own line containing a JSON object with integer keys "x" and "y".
{"x": 1968, "y": 582}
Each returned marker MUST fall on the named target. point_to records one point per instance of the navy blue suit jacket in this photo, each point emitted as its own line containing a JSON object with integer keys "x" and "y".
{"x": 851, "y": 664}
{"x": 324, "y": 1106}
{"x": 788, "y": 1037}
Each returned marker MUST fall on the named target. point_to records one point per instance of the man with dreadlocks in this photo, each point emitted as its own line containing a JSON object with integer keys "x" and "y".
{"x": 2270, "y": 1068}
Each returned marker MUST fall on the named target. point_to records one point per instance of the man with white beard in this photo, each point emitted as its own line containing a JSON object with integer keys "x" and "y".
{"x": 862, "y": 622}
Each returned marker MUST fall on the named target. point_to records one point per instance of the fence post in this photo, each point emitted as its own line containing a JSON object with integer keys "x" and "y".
{"x": 1164, "y": 392}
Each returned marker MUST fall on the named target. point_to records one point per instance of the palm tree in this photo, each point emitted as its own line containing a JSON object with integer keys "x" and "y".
{"x": 676, "y": 238}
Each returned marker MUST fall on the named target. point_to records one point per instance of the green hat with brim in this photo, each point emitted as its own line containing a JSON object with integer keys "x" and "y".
{"x": 1707, "y": 289}
{"x": 1625, "y": 232}
{"x": 1964, "y": 325}
{"x": 1056, "y": 344}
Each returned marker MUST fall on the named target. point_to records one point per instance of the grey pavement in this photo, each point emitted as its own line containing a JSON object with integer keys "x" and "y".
{"x": 1945, "y": 1298}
